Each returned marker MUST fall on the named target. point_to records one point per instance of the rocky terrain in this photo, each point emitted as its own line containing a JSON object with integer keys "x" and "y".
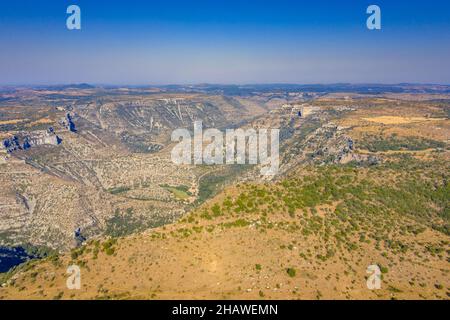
{"x": 85, "y": 157}
{"x": 363, "y": 180}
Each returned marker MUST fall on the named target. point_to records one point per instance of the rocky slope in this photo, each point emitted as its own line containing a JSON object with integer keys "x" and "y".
{"x": 363, "y": 182}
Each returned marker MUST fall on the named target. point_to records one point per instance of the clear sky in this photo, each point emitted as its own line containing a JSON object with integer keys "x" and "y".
{"x": 141, "y": 42}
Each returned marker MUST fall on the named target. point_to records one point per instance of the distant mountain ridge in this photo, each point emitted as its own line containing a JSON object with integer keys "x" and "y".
{"x": 245, "y": 89}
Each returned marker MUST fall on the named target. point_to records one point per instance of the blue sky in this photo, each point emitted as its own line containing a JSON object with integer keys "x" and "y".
{"x": 224, "y": 41}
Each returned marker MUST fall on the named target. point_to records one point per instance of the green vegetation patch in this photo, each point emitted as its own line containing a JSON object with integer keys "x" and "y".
{"x": 180, "y": 192}
{"x": 119, "y": 190}
{"x": 126, "y": 223}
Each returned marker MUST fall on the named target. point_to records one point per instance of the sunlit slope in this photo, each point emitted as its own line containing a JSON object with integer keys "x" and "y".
{"x": 309, "y": 236}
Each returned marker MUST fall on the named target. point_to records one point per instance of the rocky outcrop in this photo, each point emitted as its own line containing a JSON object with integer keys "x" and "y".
{"x": 67, "y": 122}
{"x": 332, "y": 145}
{"x": 24, "y": 141}
{"x": 328, "y": 144}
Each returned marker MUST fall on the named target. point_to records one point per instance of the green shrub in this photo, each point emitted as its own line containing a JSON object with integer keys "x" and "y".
{"x": 291, "y": 272}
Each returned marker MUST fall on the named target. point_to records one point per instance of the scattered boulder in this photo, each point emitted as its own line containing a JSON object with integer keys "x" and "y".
{"x": 67, "y": 122}
{"x": 79, "y": 238}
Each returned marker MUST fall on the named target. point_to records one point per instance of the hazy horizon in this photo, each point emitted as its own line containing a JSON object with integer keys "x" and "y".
{"x": 142, "y": 85}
